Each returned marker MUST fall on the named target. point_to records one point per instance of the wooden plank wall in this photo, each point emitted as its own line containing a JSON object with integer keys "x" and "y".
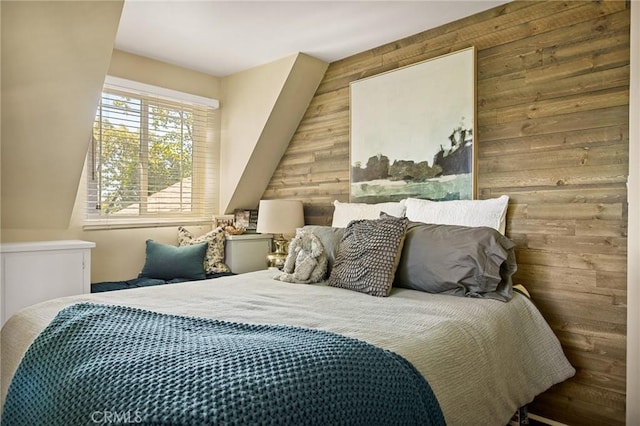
{"x": 553, "y": 93}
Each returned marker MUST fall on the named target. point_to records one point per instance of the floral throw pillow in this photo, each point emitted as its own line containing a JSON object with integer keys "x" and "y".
{"x": 214, "y": 257}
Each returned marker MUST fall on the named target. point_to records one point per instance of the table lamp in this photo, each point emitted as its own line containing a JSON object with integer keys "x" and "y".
{"x": 279, "y": 217}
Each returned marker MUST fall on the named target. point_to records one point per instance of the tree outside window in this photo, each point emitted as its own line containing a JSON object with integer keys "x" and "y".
{"x": 146, "y": 157}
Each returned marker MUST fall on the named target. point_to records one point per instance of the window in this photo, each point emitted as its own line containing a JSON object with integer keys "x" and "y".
{"x": 151, "y": 157}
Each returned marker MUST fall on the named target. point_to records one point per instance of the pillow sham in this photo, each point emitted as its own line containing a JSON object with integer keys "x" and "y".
{"x": 368, "y": 255}
{"x": 167, "y": 262}
{"x": 330, "y": 238}
{"x": 491, "y": 212}
{"x": 344, "y": 213}
{"x": 457, "y": 260}
{"x": 215, "y": 239}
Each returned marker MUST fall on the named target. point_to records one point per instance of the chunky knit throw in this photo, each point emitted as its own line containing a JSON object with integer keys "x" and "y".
{"x": 113, "y": 364}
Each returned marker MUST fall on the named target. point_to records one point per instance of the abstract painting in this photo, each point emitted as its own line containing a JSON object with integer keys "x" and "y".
{"x": 412, "y": 131}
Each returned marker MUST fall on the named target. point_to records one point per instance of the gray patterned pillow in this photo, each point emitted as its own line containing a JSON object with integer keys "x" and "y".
{"x": 368, "y": 255}
{"x": 214, "y": 258}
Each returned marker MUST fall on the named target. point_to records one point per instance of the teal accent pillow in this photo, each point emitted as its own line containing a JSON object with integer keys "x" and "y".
{"x": 167, "y": 262}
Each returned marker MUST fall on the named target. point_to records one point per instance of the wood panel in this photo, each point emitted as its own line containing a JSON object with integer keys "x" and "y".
{"x": 552, "y": 133}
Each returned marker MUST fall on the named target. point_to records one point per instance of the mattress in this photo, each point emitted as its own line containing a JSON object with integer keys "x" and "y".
{"x": 483, "y": 358}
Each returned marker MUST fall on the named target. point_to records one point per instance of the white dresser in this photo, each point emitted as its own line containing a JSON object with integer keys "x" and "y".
{"x": 247, "y": 252}
{"x": 33, "y": 272}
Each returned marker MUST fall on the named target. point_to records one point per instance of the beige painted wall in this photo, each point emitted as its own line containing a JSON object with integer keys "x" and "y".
{"x": 262, "y": 109}
{"x": 138, "y": 68}
{"x": 119, "y": 254}
{"x": 245, "y": 95}
{"x": 54, "y": 58}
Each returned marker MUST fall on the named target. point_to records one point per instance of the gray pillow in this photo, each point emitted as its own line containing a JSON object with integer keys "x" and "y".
{"x": 457, "y": 260}
{"x": 368, "y": 255}
{"x": 330, "y": 238}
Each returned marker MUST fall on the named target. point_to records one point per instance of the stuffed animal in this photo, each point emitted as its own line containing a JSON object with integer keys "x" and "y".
{"x": 307, "y": 260}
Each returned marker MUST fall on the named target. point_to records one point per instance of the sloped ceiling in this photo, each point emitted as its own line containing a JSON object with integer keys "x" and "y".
{"x": 261, "y": 111}
{"x": 54, "y": 59}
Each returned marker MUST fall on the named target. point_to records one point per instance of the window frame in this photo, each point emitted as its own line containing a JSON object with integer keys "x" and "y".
{"x": 205, "y": 152}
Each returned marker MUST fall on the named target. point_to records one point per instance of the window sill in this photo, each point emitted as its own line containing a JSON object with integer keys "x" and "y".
{"x": 107, "y": 224}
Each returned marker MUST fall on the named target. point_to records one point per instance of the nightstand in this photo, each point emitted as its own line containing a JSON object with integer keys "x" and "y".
{"x": 247, "y": 252}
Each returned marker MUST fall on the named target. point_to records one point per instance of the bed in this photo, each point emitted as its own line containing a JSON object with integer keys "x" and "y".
{"x": 481, "y": 358}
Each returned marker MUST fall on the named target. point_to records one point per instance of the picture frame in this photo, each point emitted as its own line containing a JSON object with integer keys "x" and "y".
{"x": 223, "y": 221}
{"x": 248, "y": 219}
{"x": 412, "y": 132}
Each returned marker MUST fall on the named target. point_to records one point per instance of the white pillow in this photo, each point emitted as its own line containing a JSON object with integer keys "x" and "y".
{"x": 346, "y": 212}
{"x": 491, "y": 212}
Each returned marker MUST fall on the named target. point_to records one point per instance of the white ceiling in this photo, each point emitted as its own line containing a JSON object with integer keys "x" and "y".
{"x": 225, "y": 37}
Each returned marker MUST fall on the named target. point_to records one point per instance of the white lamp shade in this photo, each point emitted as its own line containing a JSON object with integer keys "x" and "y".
{"x": 280, "y": 216}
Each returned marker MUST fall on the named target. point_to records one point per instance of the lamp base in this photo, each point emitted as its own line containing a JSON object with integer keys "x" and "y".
{"x": 276, "y": 260}
{"x": 281, "y": 245}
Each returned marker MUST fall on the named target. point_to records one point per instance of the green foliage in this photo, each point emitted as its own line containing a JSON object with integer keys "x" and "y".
{"x": 170, "y": 148}
{"x": 127, "y": 166}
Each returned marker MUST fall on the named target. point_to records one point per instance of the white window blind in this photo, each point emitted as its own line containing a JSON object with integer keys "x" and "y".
{"x": 151, "y": 157}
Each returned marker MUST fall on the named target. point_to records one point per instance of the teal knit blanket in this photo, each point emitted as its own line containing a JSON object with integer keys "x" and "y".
{"x": 113, "y": 364}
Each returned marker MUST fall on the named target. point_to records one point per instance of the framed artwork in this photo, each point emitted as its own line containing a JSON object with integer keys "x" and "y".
{"x": 223, "y": 220}
{"x": 248, "y": 219}
{"x": 412, "y": 131}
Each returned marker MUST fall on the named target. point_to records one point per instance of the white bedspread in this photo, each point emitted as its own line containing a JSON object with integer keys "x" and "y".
{"x": 483, "y": 358}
